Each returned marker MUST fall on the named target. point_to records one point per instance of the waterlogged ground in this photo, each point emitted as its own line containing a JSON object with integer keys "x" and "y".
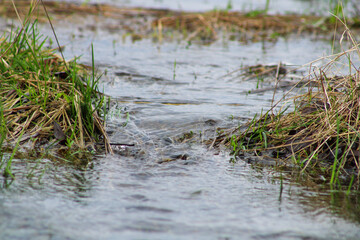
{"x": 158, "y": 187}
{"x": 318, "y": 7}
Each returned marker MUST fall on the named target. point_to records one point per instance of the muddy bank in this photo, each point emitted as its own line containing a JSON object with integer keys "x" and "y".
{"x": 162, "y": 24}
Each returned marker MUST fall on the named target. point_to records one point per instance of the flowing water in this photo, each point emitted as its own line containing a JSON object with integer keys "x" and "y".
{"x": 160, "y": 188}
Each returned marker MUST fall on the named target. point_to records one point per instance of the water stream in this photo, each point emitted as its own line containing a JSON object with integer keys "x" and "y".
{"x": 160, "y": 188}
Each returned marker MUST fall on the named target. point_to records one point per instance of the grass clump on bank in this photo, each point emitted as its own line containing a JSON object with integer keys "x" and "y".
{"x": 46, "y": 101}
{"x": 322, "y": 134}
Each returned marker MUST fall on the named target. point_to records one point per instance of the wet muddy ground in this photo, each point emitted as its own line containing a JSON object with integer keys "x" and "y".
{"x": 157, "y": 186}
{"x": 309, "y": 7}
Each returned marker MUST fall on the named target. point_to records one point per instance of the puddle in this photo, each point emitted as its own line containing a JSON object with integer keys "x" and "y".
{"x": 158, "y": 188}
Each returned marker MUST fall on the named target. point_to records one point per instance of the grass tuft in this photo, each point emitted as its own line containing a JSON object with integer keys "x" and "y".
{"x": 322, "y": 134}
{"x": 45, "y": 101}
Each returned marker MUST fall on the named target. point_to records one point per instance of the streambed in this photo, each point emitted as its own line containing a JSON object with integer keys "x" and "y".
{"x": 161, "y": 188}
